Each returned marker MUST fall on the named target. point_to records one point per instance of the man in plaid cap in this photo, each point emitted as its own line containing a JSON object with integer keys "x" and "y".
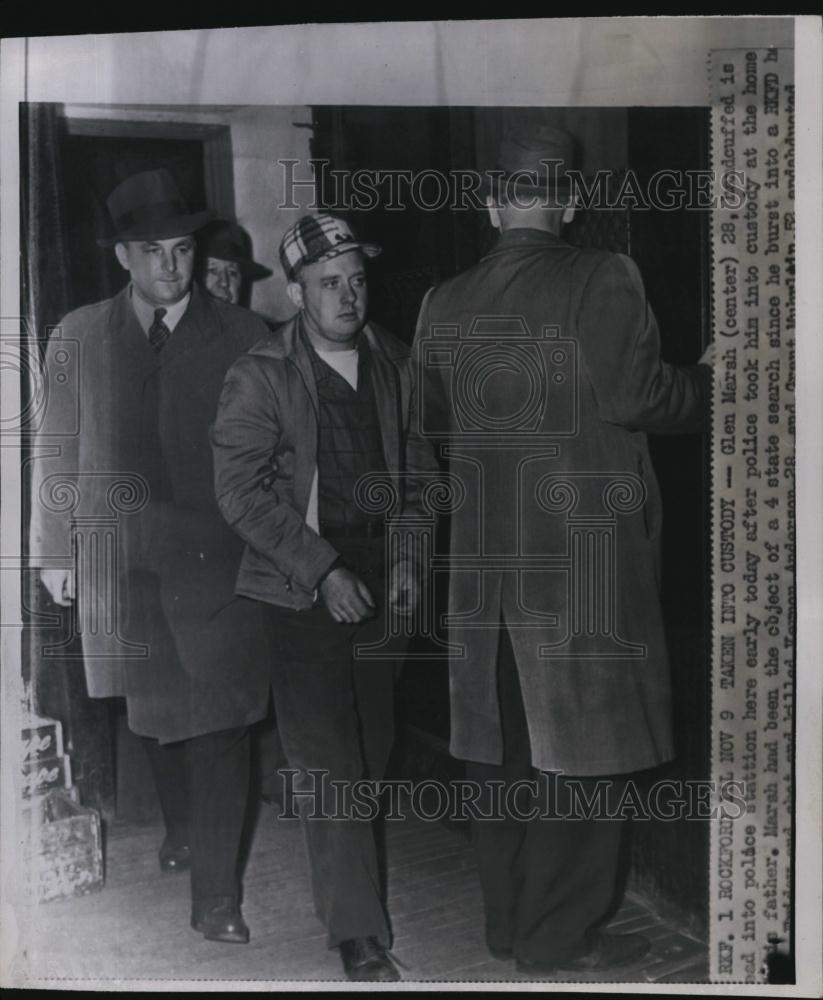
{"x": 302, "y": 418}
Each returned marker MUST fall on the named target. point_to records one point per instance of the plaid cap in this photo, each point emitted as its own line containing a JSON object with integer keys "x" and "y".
{"x": 312, "y": 239}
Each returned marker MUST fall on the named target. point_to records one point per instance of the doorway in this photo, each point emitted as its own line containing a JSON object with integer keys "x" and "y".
{"x": 94, "y": 155}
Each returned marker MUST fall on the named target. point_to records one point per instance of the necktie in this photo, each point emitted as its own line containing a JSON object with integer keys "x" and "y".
{"x": 159, "y": 333}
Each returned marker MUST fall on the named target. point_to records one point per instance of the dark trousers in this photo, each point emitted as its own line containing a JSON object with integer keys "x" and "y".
{"x": 335, "y": 713}
{"x": 547, "y": 882}
{"x": 203, "y": 786}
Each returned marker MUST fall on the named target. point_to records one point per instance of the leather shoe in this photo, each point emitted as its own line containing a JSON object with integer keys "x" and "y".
{"x": 609, "y": 951}
{"x": 218, "y": 919}
{"x": 365, "y": 961}
{"x": 174, "y": 857}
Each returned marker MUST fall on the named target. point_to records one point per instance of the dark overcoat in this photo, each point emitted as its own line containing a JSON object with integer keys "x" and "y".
{"x": 540, "y": 375}
{"x": 124, "y": 480}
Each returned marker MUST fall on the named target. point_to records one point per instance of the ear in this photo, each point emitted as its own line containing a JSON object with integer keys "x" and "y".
{"x": 295, "y": 292}
{"x": 122, "y": 255}
{"x": 494, "y": 212}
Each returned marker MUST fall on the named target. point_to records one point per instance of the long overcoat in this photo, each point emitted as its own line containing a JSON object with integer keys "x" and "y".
{"x": 123, "y": 483}
{"x": 540, "y": 375}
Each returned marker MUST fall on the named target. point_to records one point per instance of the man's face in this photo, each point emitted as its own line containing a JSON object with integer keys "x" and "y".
{"x": 161, "y": 270}
{"x": 333, "y": 297}
{"x": 223, "y": 279}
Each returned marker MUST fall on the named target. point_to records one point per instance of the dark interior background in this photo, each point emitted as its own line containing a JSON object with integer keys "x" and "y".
{"x": 669, "y": 861}
{"x": 94, "y": 165}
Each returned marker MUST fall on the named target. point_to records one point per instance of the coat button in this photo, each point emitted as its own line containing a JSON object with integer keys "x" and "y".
{"x": 266, "y": 484}
{"x": 288, "y": 585}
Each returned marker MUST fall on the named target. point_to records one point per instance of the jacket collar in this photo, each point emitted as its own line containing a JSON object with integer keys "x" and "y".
{"x": 127, "y": 336}
{"x": 526, "y": 239}
{"x": 292, "y": 344}
{"x": 287, "y": 345}
{"x": 286, "y": 342}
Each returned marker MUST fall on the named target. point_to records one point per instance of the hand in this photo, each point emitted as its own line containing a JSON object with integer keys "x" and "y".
{"x": 347, "y": 597}
{"x": 60, "y": 585}
{"x": 403, "y": 594}
{"x": 707, "y": 357}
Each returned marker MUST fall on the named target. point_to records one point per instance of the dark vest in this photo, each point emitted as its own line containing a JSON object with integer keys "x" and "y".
{"x": 349, "y": 444}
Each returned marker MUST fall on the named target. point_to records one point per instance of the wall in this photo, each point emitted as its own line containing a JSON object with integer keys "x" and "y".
{"x": 261, "y": 136}
{"x": 560, "y": 63}
{"x": 609, "y": 62}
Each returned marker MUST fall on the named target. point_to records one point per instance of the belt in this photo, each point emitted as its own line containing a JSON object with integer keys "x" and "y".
{"x": 367, "y": 529}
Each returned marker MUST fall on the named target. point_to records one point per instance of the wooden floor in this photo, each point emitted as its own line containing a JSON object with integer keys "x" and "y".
{"x": 136, "y": 928}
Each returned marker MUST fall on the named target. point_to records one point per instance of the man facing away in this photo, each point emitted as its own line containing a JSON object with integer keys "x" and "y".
{"x": 301, "y": 419}
{"x": 158, "y": 617}
{"x": 540, "y": 368}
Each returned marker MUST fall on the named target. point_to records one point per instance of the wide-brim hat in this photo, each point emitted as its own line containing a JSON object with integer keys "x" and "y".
{"x": 316, "y": 238}
{"x": 149, "y": 206}
{"x": 533, "y": 160}
{"x": 228, "y": 241}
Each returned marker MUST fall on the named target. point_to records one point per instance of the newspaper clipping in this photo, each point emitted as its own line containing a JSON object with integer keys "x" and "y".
{"x": 411, "y": 545}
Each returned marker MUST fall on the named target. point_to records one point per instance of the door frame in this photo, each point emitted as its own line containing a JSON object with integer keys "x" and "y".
{"x": 218, "y": 164}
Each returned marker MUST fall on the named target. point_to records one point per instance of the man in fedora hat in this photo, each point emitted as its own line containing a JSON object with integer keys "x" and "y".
{"x": 158, "y": 619}
{"x": 300, "y": 421}
{"x": 227, "y": 263}
{"x": 540, "y": 368}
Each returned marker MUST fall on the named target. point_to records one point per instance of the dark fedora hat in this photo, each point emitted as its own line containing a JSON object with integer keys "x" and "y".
{"x": 149, "y": 206}
{"x": 228, "y": 241}
{"x": 533, "y": 160}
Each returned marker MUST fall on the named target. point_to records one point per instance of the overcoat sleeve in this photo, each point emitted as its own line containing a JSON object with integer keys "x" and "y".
{"x": 254, "y": 488}
{"x": 620, "y": 341}
{"x": 55, "y": 467}
{"x": 428, "y": 417}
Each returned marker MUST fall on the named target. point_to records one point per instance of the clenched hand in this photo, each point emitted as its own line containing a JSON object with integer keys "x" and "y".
{"x": 347, "y": 597}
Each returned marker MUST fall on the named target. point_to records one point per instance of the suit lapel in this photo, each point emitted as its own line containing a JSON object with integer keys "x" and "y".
{"x": 198, "y": 325}
{"x": 127, "y": 339}
{"x": 298, "y": 353}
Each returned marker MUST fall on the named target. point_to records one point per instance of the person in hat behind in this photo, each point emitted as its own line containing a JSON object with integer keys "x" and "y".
{"x": 158, "y": 620}
{"x": 227, "y": 263}
{"x": 563, "y": 678}
{"x": 300, "y": 420}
